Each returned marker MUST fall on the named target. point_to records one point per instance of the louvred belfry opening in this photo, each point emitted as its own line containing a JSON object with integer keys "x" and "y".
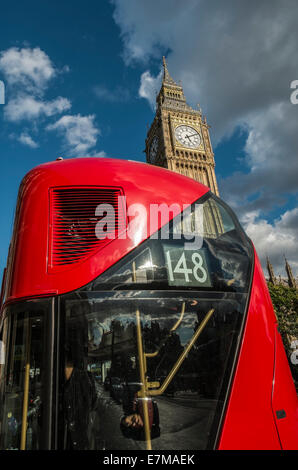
{"x": 75, "y": 213}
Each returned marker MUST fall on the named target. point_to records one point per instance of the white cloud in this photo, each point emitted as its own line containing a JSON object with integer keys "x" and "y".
{"x": 28, "y": 73}
{"x": 237, "y": 59}
{"x": 149, "y": 87}
{"x": 271, "y": 159}
{"x": 275, "y": 240}
{"x": 79, "y": 133}
{"x": 28, "y": 107}
{"x": 94, "y": 153}
{"x": 26, "y": 139}
{"x": 145, "y": 26}
{"x": 30, "y": 68}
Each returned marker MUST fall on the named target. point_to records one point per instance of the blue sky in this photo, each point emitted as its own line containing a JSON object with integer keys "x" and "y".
{"x": 81, "y": 77}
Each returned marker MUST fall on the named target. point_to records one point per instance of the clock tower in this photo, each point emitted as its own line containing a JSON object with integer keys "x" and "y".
{"x": 178, "y": 138}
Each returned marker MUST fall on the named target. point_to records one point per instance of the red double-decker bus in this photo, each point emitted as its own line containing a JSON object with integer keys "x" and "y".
{"x": 135, "y": 315}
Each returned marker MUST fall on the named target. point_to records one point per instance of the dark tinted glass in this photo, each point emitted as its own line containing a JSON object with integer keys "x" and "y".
{"x": 23, "y": 375}
{"x": 203, "y": 249}
{"x": 131, "y": 354}
{"x": 147, "y": 348}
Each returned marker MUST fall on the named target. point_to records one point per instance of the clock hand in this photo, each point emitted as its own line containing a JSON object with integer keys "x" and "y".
{"x": 192, "y": 135}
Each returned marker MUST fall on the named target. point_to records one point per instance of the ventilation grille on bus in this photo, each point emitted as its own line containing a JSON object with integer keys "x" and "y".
{"x": 73, "y": 218}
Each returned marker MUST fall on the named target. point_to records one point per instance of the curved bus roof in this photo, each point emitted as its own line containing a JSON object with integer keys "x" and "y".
{"x": 70, "y": 184}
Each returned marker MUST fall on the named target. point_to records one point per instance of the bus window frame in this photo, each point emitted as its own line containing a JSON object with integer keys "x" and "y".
{"x": 49, "y": 360}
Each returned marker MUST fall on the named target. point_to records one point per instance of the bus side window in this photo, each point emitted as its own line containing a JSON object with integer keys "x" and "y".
{"x": 2, "y": 352}
{"x": 2, "y": 356}
{"x": 2, "y": 369}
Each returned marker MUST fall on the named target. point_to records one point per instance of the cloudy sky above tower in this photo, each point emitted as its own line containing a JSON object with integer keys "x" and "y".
{"x": 81, "y": 79}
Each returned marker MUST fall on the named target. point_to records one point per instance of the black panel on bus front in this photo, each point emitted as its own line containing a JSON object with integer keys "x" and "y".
{"x": 203, "y": 249}
{"x": 147, "y": 348}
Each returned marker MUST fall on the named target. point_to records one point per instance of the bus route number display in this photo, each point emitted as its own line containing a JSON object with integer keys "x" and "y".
{"x": 186, "y": 267}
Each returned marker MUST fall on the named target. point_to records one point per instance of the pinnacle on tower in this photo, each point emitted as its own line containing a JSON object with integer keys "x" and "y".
{"x": 291, "y": 279}
{"x": 170, "y": 94}
{"x": 272, "y": 277}
{"x": 166, "y": 76}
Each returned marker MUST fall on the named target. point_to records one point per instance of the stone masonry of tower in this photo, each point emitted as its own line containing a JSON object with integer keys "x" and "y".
{"x": 178, "y": 138}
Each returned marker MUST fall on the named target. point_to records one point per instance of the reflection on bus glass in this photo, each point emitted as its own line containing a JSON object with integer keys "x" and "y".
{"x": 144, "y": 372}
{"x": 22, "y": 412}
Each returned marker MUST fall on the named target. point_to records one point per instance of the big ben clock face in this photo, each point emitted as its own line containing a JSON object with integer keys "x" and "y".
{"x": 188, "y": 136}
{"x": 153, "y": 148}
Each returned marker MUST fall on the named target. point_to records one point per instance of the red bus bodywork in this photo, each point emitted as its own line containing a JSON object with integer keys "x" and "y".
{"x": 262, "y": 408}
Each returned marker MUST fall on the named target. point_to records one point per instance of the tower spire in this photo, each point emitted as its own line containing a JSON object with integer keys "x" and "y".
{"x": 272, "y": 277}
{"x": 166, "y": 76}
{"x": 291, "y": 279}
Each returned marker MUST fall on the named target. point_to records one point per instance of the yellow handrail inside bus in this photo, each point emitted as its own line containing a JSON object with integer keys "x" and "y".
{"x": 145, "y": 393}
{"x": 174, "y": 328}
{"x": 142, "y": 394}
{"x": 182, "y": 356}
{"x": 26, "y": 389}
